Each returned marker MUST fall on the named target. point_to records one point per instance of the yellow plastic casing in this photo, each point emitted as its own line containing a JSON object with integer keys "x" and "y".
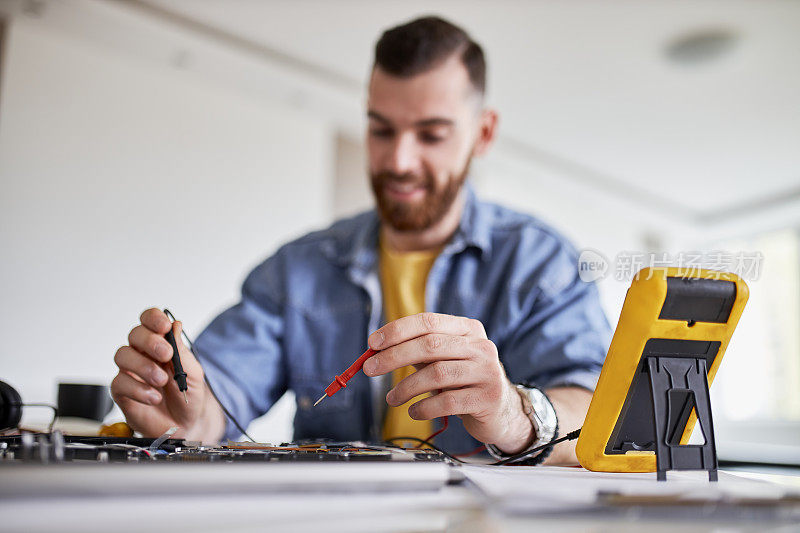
{"x": 638, "y": 323}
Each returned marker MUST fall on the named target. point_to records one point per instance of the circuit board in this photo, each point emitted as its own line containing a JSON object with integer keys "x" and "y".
{"x": 44, "y": 448}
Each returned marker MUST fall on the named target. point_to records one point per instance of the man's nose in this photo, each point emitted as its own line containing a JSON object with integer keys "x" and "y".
{"x": 404, "y": 157}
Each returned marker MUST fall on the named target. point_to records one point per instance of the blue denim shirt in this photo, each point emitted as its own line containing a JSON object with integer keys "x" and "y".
{"x": 306, "y": 312}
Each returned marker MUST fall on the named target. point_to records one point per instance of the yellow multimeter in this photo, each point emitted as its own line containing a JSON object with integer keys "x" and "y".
{"x": 672, "y": 333}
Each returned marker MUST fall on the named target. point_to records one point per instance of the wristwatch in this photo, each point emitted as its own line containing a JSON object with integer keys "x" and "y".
{"x": 537, "y": 406}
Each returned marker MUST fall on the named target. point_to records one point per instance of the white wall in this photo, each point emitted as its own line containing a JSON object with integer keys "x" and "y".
{"x": 127, "y": 185}
{"x": 589, "y": 217}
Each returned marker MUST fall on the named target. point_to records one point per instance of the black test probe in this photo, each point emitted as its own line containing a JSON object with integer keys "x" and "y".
{"x": 177, "y": 368}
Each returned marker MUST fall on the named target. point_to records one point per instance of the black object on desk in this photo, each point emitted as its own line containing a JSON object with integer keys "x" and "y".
{"x": 82, "y": 400}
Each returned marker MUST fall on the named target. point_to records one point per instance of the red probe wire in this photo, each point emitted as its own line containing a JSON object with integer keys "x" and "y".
{"x": 342, "y": 379}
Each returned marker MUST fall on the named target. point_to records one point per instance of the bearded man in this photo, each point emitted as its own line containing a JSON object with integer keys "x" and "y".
{"x": 477, "y": 312}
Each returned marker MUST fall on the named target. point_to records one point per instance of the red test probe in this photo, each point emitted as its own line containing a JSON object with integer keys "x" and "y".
{"x": 342, "y": 379}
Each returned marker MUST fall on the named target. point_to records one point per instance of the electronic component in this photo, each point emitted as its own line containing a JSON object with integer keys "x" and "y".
{"x": 673, "y": 331}
{"x": 55, "y": 447}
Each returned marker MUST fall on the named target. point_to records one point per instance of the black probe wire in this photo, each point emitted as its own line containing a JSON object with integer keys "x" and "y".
{"x": 423, "y": 442}
{"x": 208, "y": 383}
{"x": 572, "y": 435}
{"x": 508, "y": 460}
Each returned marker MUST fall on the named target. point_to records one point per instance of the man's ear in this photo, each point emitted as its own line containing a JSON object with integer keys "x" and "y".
{"x": 487, "y": 130}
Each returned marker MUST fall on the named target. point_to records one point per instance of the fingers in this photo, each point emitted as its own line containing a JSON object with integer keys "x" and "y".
{"x": 156, "y": 321}
{"x": 429, "y": 349}
{"x": 452, "y": 402}
{"x": 130, "y": 360}
{"x": 149, "y": 355}
{"x": 144, "y": 388}
{"x": 189, "y": 362}
{"x": 409, "y": 327}
{"x": 434, "y": 377}
{"x": 150, "y": 343}
{"x": 125, "y": 386}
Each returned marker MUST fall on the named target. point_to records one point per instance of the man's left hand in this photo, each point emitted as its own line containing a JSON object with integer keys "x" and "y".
{"x": 458, "y": 364}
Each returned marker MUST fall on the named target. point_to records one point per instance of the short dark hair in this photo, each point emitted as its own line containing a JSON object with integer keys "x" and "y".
{"x": 424, "y": 44}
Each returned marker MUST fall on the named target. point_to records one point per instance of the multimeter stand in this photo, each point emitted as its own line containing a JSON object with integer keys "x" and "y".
{"x": 679, "y": 385}
{"x": 672, "y": 333}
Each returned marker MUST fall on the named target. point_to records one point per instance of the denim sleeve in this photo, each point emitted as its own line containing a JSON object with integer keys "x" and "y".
{"x": 563, "y": 336}
{"x": 241, "y": 349}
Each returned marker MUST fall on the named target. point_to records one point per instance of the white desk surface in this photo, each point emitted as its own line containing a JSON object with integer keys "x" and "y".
{"x": 494, "y": 499}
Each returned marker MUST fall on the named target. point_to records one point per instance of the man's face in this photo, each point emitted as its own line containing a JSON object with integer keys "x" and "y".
{"x": 420, "y": 140}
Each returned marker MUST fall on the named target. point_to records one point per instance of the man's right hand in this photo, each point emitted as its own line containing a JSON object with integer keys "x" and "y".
{"x": 146, "y": 391}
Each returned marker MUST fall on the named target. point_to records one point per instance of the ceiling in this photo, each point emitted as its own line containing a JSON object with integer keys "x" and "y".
{"x": 589, "y": 84}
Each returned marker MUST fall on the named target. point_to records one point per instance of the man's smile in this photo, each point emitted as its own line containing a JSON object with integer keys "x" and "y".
{"x": 404, "y": 191}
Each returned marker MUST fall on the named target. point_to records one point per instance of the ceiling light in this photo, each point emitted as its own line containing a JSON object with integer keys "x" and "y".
{"x": 702, "y": 46}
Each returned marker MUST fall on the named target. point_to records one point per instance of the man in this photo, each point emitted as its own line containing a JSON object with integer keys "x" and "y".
{"x": 484, "y": 303}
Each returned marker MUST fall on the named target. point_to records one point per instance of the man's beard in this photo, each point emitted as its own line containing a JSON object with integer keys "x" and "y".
{"x": 416, "y": 216}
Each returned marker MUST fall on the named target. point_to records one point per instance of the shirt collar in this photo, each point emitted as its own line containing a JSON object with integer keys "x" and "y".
{"x": 474, "y": 230}
{"x": 361, "y": 253}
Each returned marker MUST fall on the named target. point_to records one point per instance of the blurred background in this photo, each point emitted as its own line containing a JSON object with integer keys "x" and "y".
{"x": 153, "y": 151}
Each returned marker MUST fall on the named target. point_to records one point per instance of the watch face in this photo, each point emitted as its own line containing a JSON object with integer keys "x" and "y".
{"x": 544, "y": 414}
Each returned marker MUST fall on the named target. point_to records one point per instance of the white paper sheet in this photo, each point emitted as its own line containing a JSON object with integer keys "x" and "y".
{"x": 548, "y": 488}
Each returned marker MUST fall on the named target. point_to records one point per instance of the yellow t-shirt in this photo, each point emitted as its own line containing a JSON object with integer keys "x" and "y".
{"x": 403, "y": 279}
